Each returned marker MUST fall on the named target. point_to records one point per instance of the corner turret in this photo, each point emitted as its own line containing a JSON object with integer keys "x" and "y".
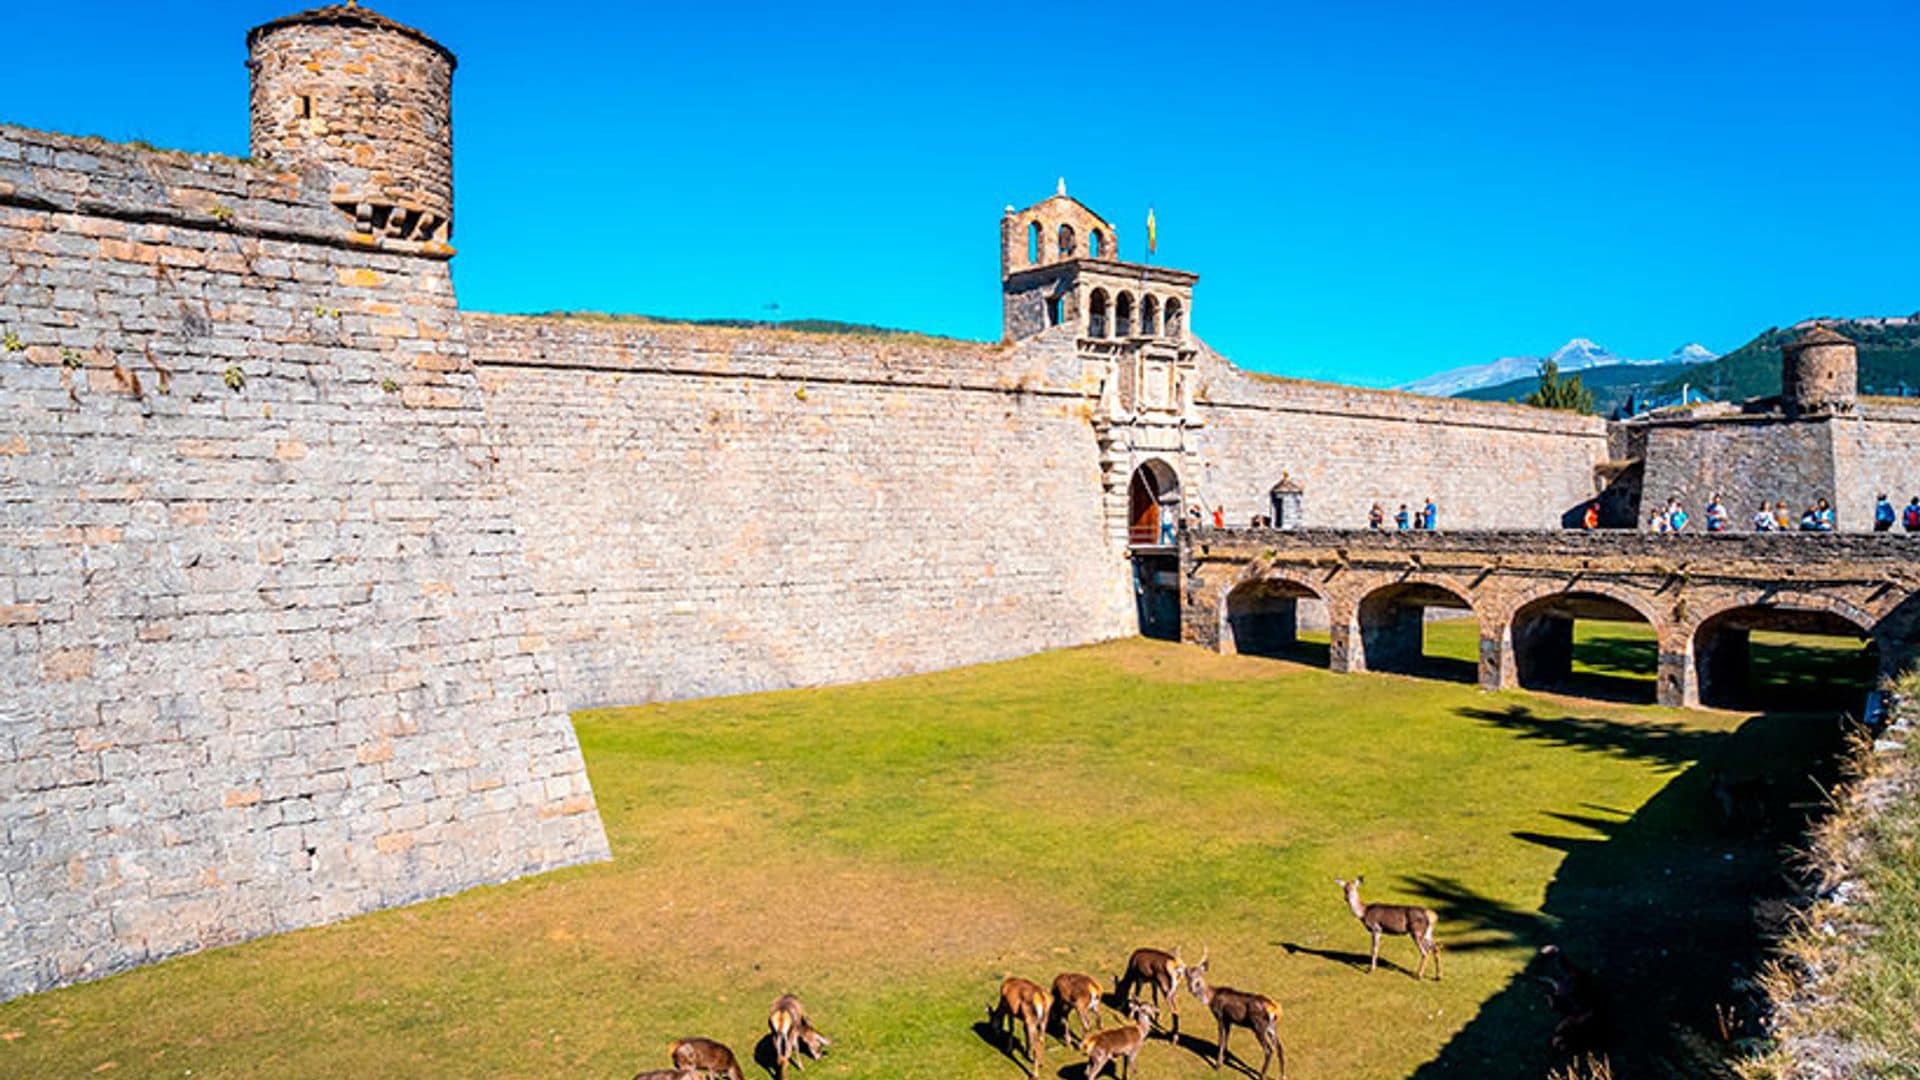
{"x": 1819, "y": 374}
{"x": 366, "y": 102}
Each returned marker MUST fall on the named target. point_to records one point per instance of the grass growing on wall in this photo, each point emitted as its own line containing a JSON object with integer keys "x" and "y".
{"x": 889, "y": 851}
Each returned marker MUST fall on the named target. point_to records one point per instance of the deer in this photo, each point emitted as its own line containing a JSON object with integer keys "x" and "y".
{"x": 667, "y": 1074}
{"x": 1232, "y": 1008}
{"x": 1075, "y": 994}
{"x": 1155, "y": 968}
{"x": 1119, "y": 1044}
{"x": 1413, "y": 921}
{"x": 706, "y": 1056}
{"x": 1023, "y": 1000}
{"x": 793, "y": 1033}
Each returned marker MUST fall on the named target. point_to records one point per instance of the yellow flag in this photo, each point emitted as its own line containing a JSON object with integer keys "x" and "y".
{"x": 1153, "y": 233}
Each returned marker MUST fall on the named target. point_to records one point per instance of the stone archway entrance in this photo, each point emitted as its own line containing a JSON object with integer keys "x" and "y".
{"x": 1153, "y": 525}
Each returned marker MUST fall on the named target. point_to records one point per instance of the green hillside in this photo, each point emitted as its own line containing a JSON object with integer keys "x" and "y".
{"x": 1611, "y": 384}
{"x": 1889, "y": 361}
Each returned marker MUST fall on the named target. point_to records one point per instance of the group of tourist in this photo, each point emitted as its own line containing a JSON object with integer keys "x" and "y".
{"x": 1771, "y": 517}
{"x": 1426, "y": 518}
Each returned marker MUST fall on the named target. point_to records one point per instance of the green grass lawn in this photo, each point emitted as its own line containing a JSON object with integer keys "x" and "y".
{"x": 889, "y": 851}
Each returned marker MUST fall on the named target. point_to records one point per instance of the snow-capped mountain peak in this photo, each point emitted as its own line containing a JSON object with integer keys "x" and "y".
{"x": 1578, "y": 354}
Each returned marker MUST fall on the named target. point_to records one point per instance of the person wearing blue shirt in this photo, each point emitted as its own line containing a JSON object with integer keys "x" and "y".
{"x": 1883, "y": 516}
{"x": 1429, "y": 515}
{"x": 1716, "y": 514}
{"x": 1400, "y": 520}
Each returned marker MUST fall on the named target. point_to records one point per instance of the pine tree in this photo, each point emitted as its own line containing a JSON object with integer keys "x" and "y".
{"x": 1568, "y": 394}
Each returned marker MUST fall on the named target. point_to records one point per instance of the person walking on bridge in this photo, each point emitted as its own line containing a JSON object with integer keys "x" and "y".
{"x": 1910, "y": 519}
{"x": 1400, "y": 520}
{"x": 1882, "y": 515}
{"x": 1430, "y": 515}
{"x": 1763, "y": 519}
{"x": 1376, "y": 518}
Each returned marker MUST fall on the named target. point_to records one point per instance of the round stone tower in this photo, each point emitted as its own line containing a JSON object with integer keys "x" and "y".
{"x": 1819, "y": 374}
{"x": 367, "y": 102}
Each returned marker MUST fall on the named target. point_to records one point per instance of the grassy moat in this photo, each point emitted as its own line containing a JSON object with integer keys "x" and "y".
{"x": 889, "y": 851}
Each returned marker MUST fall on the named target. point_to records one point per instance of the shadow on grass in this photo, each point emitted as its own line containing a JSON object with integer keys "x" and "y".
{"x": 1008, "y": 1043}
{"x": 1657, "y": 906}
{"x": 1355, "y": 960}
{"x": 1664, "y": 741}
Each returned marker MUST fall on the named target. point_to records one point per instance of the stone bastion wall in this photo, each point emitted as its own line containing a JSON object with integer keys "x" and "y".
{"x": 265, "y": 624}
{"x": 1486, "y": 465}
{"x": 711, "y": 511}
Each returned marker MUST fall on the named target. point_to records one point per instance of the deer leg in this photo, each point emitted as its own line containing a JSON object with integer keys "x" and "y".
{"x": 1268, "y": 1059}
{"x": 1220, "y": 1052}
{"x": 1375, "y": 962}
{"x": 1436, "y": 956}
{"x": 1422, "y": 947}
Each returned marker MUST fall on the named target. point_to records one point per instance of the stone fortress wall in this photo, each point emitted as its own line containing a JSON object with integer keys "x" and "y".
{"x": 269, "y": 652}
{"x": 305, "y": 565}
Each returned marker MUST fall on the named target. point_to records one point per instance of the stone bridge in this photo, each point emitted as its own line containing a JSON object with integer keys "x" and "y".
{"x": 1249, "y": 590}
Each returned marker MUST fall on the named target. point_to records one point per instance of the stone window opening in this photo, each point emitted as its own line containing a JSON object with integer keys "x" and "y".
{"x": 306, "y": 107}
{"x": 1123, "y": 315}
{"x": 1053, "y": 311}
{"x": 1175, "y": 317}
{"x": 1097, "y": 314}
{"x": 1149, "y": 316}
{"x": 1066, "y": 242}
{"x": 1033, "y": 243}
{"x": 1097, "y": 244}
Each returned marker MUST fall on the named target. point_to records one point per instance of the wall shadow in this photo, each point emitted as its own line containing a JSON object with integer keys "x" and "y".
{"x": 1657, "y": 906}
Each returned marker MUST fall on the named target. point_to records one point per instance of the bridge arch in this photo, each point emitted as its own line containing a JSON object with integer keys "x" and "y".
{"x": 1262, "y": 616}
{"x": 1387, "y": 629}
{"x": 1536, "y": 643}
{"x": 1721, "y": 653}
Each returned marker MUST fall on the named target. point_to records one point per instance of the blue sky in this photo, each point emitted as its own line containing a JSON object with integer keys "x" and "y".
{"x": 1370, "y": 191}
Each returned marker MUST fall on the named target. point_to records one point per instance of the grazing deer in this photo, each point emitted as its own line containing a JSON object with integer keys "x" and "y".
{"x": 1415, "y": 922}
{"x": 1074, "y": 993}
{"x": 792, "y": 1033}
{"x": 1237, "y": 1008}
{"x": 1119, "y": 1044}
{"x": 1157, "y": 969}
{"x": 706, "y": 1056}
{"x": 1023, "y": 1000}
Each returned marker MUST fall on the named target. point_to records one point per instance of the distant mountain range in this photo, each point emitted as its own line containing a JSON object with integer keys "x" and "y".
{"x": 1889, "y": 360}
{"x": 1490, "y": 381}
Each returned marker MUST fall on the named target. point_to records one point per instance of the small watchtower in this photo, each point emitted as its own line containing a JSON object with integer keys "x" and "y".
{"x": 368, "y": 103}
{"x": 1060, "y": 265}
{"x": 1819, "y": 374}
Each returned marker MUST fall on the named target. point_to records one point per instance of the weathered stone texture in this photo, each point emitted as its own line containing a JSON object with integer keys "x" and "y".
{"x": 265, "y": 628}
{"x": 1487, "y": 466}
{"x": 715, "y": 511}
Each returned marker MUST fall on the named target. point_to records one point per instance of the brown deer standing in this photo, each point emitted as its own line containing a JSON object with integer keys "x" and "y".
{"x": 707, "y": 1056}
{"x": 792, "y": 1033}
{"x": 1119, "y": 1044}
{"x": 1074, "y": 993}
{"x": 1237, "y": 1008}
{"x": 1023, "y": 1000}
{"x": 1415, "y": 922}
{"x": 1155, "y": 968}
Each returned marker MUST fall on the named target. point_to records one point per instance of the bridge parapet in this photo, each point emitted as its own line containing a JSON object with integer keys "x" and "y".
{"x": 1702, "y": 594}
